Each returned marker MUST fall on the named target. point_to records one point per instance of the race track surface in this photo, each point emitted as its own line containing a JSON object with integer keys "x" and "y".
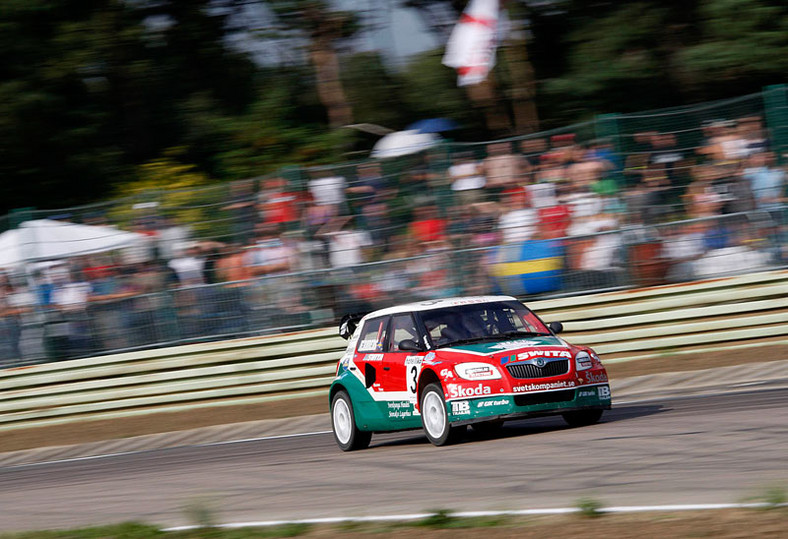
{"x": 713, "y": 449}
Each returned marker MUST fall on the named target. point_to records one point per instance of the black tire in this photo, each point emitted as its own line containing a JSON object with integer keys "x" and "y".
{"x": 488, "y": 428}
{"x": 435, "y": 418}
{"x": 582, "y": 418}
{"x": 343, "y": 424}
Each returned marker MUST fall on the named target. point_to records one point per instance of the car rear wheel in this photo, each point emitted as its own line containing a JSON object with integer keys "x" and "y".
{"x": 343, "y": 423}
{"x": 435, "y": 418}
{"x": 582, "y": 418}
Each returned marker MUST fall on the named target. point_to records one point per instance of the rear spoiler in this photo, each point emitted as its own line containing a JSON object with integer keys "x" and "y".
{"x": 349, "y": 323}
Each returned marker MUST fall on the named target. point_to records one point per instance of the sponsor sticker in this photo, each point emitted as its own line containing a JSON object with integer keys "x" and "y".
{"x": 543, "y": 387}
{"x": 413, "y": 360}
{"x": 511, "y": 345}
{"x": 544, "y": 353}
{"x": 582, "y": 394}
{"x": 373, "y": 357}
{"x": 368, "y": 345}
{"x": 456, "y": 390}
{"x": 508, "y": 359}
{"x": 604, "y": 392}
{"x": 496, "y": 402}
{"x": 430, "y": 356}
{"x": 399, "y": 409}
{"x": 460, "y": 407}
{"x": 592, "y": 378}
{"x": 447, "y": 373}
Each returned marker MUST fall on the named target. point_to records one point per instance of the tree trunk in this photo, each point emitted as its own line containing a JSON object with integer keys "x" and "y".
{"x": 523, "y": 91}
{"x": 329, "y": 86}
{"x": 485, "y": 96}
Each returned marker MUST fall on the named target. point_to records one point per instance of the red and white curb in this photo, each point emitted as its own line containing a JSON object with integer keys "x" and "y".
{"x": 475, "y": 514}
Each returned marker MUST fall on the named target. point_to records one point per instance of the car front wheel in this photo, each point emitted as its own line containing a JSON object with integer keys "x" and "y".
{"x": 435, "y": 418}
{"x": 343, "y": 423}
{"x": 582, "y": 418}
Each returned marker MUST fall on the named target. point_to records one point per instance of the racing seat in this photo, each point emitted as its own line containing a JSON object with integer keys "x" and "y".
{"x": 449, "y": 334}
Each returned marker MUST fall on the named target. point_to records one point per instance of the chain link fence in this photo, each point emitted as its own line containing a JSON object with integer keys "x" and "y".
{"x": 626, "y": 200}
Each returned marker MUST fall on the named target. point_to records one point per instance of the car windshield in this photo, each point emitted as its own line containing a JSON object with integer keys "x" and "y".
{"x": 499, "y": 320}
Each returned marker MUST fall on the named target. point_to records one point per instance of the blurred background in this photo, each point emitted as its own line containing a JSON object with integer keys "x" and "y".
{"x": 177, "y": 171}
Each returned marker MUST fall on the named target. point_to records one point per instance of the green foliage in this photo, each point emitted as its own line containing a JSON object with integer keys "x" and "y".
{"x": 589, "y": 507}
{"x": 651, "y": 54}
{"x": 430, "y": 90}
{"x": 91, "y": 89}
{"x": 772, "y": 497}
{"x": 742, "y": 39}
{"x": 126, "y": 530}
{"x": 440, "y": 518}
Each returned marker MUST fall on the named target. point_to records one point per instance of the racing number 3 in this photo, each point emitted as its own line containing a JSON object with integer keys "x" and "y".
{"x": 412, "y": 370}
{"x": 413, "y": 377}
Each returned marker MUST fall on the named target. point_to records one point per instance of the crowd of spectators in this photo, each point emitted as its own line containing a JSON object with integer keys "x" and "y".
{"x": 288, "y": 254}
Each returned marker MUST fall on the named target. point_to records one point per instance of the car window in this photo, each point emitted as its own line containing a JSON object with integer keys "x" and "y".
{"x": 402, "y": 327}
{"x": 373, "y": 335}
{"x": 483, "y": 320}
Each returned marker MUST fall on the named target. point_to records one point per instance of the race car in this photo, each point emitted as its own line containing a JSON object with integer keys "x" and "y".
{"x": 444, "y": 364}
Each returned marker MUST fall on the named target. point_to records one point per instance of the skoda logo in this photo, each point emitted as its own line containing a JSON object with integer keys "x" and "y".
{"x": 539, "y": 362}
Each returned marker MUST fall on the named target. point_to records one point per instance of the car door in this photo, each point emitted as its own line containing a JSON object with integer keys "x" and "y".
{"x": 402, "y": 367}
{"x": 372, "y": 344}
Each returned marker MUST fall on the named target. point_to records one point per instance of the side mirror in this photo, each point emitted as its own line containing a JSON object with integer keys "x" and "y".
{"x": 556, "y": 327}
{"x": 410, "y": 344}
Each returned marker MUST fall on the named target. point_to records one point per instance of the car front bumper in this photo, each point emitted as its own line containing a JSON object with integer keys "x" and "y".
{"x": 533, "y": 404}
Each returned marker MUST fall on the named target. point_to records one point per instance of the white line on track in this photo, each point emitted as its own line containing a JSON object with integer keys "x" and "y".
{"x": 473, "y": 514}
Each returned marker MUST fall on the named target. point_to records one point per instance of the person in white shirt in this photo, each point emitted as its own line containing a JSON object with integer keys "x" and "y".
{"x": 189, "y": 267}
{"x": 519, "y": 222}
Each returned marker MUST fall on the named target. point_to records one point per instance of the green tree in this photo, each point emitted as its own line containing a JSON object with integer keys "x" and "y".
{"x": 91, "y": 89}
{"x": 323, "y": 28}
{"x": 744, "y": 46}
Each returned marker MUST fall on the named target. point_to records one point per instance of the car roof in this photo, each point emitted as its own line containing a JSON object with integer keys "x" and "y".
{"x": 428, "y": 305}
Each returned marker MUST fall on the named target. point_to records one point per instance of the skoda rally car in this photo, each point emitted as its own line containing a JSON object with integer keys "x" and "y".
{"x": 444, "y": 364}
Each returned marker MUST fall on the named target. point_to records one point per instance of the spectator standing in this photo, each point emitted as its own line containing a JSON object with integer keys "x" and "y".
{"x": 345, "y": 244}
{"x": 270, "y": 255}
{"x": 277, "y": 204}
{"x": 503, "y": 169}
{"x": 532, "y": 150}
{"x": 242, "y": 209}
{"x": 11, "y": 312}
{"x": 428, "y": 226}
{"x": 70, "y": 298}
{"x": 171, "y": 239}
{"x": 328, "y": 191}
{"x": 467, "y": 180}
{"x": 519, "y": 221}
{"x": 766, "y": 181}
{"x": 190, "y": 266}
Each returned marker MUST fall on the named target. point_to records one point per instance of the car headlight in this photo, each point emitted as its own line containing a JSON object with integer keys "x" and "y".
{"x": 583, "y": 361}
{"x": 477, "y": 371}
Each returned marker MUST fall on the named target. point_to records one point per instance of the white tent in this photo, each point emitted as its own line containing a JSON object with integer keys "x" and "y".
{"x": 46, "y": 239}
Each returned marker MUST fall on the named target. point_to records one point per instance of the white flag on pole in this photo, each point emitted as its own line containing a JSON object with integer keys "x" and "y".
{"x": 471, "y": 46}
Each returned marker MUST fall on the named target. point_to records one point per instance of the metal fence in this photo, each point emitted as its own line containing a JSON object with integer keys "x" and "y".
{"x": 83, "y": 322}
{"x": 624, "y": 200}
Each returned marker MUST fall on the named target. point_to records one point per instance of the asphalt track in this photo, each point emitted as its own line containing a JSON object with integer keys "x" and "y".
{"x": 710, "y": 449}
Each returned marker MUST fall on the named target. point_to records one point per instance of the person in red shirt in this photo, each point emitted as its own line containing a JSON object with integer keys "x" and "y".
{"x": 428, "y": 226}
{"x": 277, "y": 205}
